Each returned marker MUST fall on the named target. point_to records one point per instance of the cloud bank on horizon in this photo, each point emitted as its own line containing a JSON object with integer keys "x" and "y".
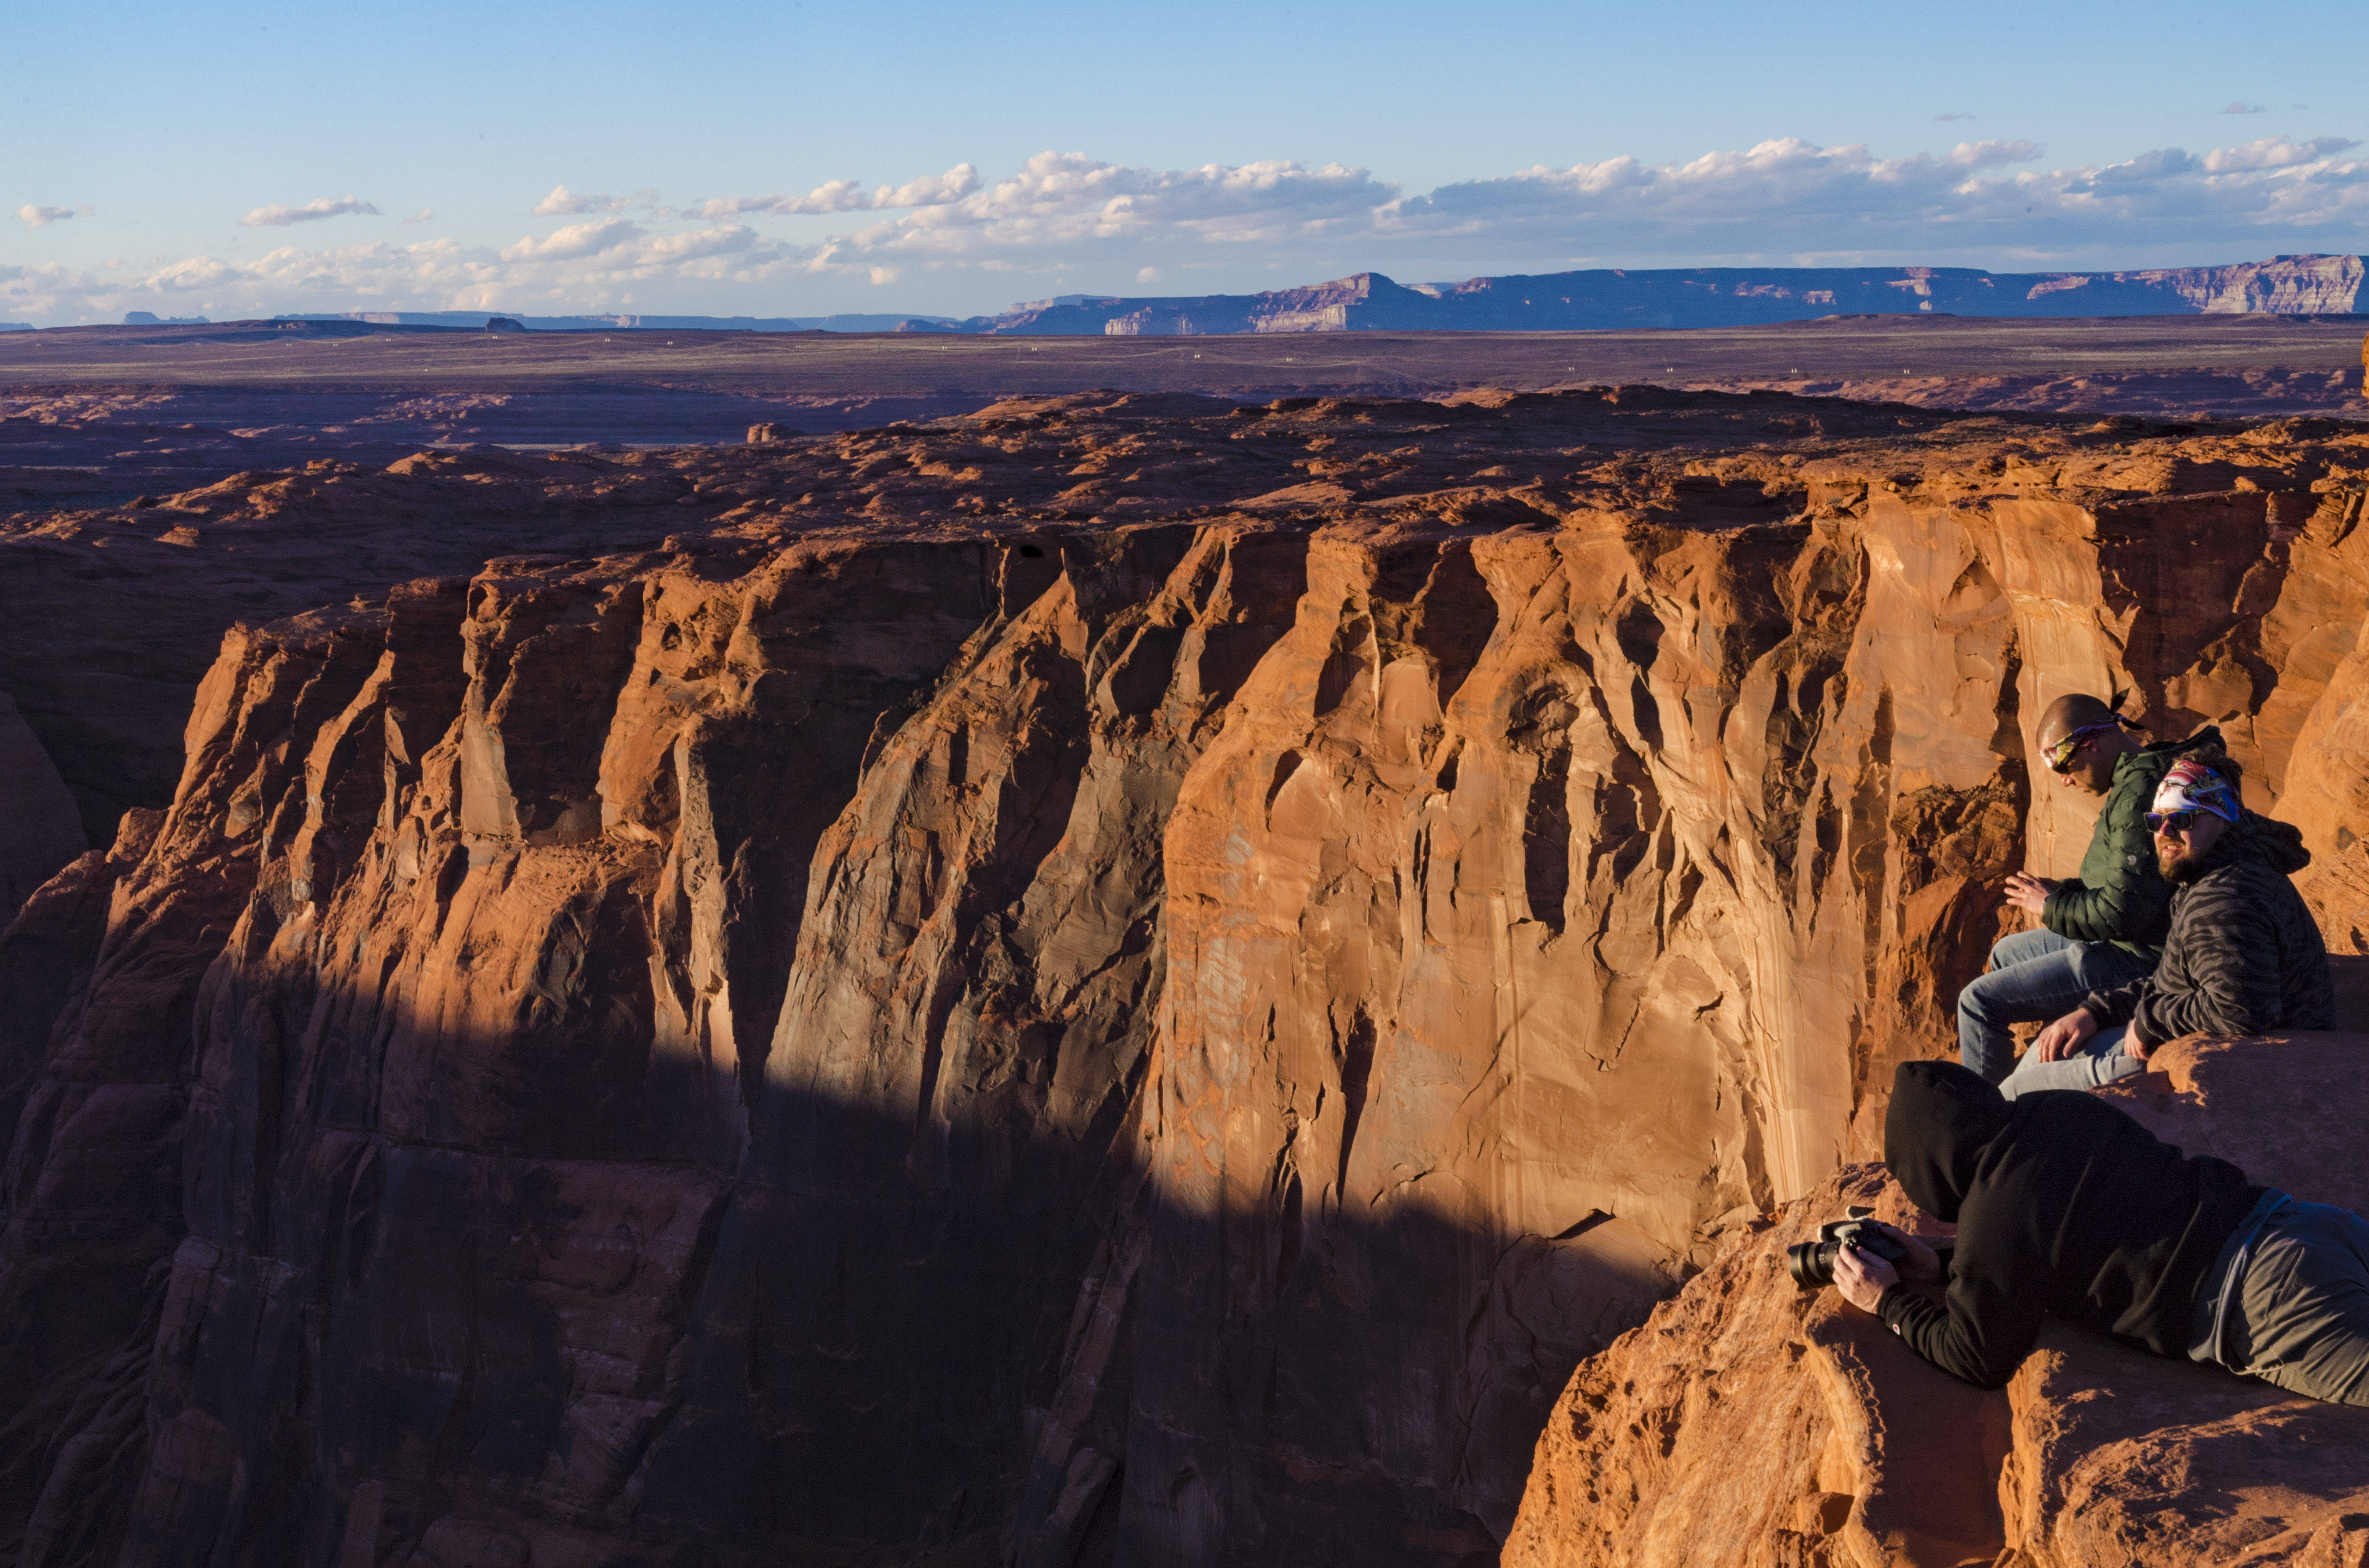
{"x": 1088, "y": 225}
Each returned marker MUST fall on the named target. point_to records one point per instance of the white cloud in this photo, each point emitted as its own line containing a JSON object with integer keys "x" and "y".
{"x": 41, "y": 217}
{"x": 563, "y": 202}
{"x": 1954, "y": 116}
{"x": 279, "y": 216}
{"x": 2241, "y": 109}
{"x": 696, "y": 246}
{"x": 575, "y": 241}
{"x": 421, "y": 216}
{"x": 848, "y": 196}
{"x": 884, "y": 276}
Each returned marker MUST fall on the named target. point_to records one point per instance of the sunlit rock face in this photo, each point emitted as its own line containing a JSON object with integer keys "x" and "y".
{"x": 1120, "y": 981}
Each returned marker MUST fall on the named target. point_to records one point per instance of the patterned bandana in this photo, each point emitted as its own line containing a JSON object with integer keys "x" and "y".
{"x": 2192, "y": 786}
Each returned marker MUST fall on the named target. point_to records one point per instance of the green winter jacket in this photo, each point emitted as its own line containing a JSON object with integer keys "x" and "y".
{"x": 2119, "y": 897}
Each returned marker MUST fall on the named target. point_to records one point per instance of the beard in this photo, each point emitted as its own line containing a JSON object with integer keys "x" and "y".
{"x": 2184, "y": 864}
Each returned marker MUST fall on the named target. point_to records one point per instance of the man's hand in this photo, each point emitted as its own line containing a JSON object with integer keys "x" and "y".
{"x": 1862, "y": 1277}
{"x": 2029, "y": 893}
{"x": 2064, "y": 1037}
{"x": 1922, "y": 1262}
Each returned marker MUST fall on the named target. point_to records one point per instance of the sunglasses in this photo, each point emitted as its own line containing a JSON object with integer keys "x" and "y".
{"x": 2176, "y": 823}
{"x": 2061, "y": 755}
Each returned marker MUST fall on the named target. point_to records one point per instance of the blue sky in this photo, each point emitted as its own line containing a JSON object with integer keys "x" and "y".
{"x": 800, "y": 158}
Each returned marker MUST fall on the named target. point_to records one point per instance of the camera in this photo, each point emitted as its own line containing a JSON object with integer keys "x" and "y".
{"x": 1813, "y": 1263}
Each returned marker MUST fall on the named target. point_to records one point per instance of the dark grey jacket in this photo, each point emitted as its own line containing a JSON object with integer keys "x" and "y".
{"x": 2244, "y": 955}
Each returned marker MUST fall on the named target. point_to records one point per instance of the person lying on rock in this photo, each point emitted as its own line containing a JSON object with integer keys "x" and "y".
{"x": 2065, "y": 1205}
{"x": 2243, "y": 957}
{"x": 2100, "y": 930}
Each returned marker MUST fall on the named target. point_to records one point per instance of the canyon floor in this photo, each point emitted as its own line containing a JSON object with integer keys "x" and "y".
{"x": 1112, "y": 977}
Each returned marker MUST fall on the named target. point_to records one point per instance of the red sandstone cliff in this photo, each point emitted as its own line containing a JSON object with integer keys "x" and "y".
{"x": 1113, "y": 981}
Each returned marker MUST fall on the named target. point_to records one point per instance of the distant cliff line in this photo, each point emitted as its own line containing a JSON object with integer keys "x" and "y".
{"x": 1593, "y": 300}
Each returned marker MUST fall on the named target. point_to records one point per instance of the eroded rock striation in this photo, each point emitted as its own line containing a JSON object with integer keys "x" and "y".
{"x": 1122, "y": 979}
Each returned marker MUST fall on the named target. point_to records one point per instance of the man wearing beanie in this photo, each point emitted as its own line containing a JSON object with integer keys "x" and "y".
{"x": 2063, "y": 1205}
{"x": 2243, "y": 957}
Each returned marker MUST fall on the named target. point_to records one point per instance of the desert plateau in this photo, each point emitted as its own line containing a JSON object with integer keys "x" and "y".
{"x": 1137, "y": 975}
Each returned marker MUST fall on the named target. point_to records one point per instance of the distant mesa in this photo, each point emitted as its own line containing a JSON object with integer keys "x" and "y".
{"x": 147, "y": 318}
{"x": 16, "y": 326}
{"x": 504, "y": 324}
{"x": 1606, "y": 298}
{"x": 1593, "y": 300}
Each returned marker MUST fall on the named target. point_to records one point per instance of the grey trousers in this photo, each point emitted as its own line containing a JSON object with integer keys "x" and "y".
{"x": 2296, "y": 1314}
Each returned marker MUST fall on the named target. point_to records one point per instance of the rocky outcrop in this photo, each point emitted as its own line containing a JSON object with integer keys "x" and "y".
{"x": 1126, "y": 980}
{"x": 1747, "y": 1422}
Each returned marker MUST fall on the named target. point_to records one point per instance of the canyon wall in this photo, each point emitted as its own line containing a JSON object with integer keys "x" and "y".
{"x": 1114, "y": 981}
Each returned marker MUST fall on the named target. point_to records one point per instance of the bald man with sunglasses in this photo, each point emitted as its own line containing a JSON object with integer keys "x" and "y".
{"x": 2100, "y": 930}
{"x": 2243, "y": 954}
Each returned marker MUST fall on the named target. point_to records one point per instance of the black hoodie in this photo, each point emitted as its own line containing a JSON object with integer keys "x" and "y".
{"x": 2063, "y": 1205}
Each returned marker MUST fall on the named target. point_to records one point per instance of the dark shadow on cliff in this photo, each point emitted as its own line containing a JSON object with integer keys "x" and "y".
{"x": 365, "y": 1349}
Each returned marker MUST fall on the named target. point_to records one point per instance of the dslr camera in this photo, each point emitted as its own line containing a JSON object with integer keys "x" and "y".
{"x": 1813, "y": 1263}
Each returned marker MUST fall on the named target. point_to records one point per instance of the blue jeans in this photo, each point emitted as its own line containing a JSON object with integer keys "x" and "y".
{"x": 2101, "y": 1059}
{"x": 2035, "y": 976}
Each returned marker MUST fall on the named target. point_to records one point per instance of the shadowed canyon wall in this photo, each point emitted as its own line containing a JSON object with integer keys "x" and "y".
{"x": 1148, "y": 1019}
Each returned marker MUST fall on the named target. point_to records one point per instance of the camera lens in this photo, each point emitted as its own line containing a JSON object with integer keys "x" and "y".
{"x": 1812, "y": 1264}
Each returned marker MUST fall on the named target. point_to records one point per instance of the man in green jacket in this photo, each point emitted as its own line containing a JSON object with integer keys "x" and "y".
{"x": 2101, "y": 929}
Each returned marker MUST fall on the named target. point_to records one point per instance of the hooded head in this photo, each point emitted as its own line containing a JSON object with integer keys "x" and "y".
{"x": 1941, "y": 1117}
